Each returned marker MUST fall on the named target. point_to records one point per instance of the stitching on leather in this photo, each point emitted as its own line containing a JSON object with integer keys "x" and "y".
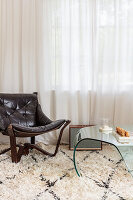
{"x": 21, "y": 108}
{"x": 16, "y": 110}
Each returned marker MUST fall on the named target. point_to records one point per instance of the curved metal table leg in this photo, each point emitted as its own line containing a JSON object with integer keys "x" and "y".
{"x": 74, "y": 160}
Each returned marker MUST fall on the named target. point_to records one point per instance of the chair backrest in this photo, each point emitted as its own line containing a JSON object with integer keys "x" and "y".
{"x": 17, "y": 108}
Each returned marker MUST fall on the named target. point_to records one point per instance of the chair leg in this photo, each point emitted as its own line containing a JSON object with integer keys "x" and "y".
{"x": 5, "y": 150}
{"x": 20, "y": 153}
{"x": 33, "y": 140}
{"x": 60, "y": 136}
{"x": 33, "y": 146}
{"x": 12, "y": 144}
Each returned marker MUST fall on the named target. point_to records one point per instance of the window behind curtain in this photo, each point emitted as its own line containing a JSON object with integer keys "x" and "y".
{"x": 91, "y": 44}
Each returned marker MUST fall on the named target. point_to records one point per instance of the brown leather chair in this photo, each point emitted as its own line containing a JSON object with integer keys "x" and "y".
{"x": 21, "y": 116}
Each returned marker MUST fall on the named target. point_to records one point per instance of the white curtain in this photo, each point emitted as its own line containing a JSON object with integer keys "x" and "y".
{"x": 113, "y": 71}
{"x": 78, "y": 55}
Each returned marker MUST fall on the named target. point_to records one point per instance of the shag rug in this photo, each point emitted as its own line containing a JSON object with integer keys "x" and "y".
{"x": 39, "y": 177}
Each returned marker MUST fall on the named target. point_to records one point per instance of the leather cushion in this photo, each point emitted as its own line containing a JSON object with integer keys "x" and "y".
{"x": 41, "y": 118}
{"x": 39, "y": 129}
{"x": 18, "y": 109}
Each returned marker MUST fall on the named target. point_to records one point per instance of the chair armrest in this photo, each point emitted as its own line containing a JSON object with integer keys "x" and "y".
{"x": 41, "y": 118}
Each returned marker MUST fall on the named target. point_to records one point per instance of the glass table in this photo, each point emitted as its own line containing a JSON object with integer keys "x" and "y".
{"x": 93, "y": 133}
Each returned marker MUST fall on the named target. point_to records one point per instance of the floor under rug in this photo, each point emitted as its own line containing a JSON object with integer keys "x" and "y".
{"x": 39, "y": 177}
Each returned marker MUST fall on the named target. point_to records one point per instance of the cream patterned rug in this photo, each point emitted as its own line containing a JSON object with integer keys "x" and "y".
{"x": 39, "y": 177}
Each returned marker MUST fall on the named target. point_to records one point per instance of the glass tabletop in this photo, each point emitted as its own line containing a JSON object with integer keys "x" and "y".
{"x": 93, "y": 133}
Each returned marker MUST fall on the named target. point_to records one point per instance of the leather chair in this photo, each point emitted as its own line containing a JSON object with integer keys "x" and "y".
{"x": 21, "y": 116}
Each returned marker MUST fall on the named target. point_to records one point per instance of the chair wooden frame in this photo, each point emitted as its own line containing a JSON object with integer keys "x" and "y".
{"x": 24, "y": 149}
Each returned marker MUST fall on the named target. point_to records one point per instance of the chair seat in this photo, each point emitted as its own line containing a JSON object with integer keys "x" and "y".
{"x": 37, "y": 129}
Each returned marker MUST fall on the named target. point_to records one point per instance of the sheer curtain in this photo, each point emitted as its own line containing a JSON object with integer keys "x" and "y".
{"x": 113, "y": 78}
{"x": 76, "y": 53}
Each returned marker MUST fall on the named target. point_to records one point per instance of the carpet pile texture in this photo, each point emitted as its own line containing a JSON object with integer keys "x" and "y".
{"x": 39, "y": 177}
